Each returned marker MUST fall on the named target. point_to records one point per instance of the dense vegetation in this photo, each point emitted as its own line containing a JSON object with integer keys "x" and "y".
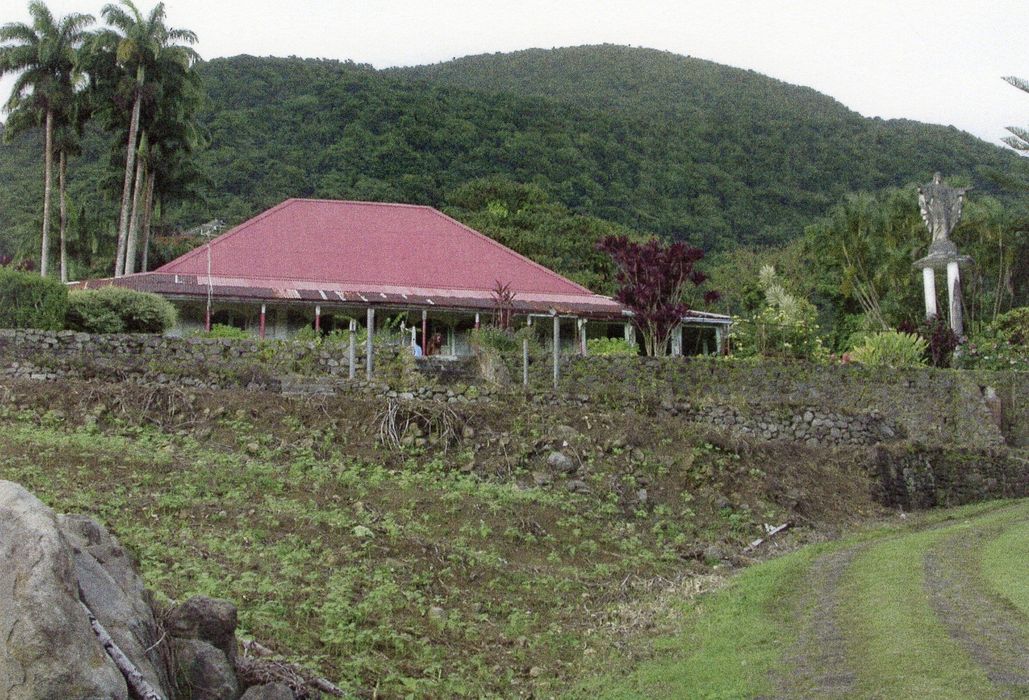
{"x": 657, "y": 142}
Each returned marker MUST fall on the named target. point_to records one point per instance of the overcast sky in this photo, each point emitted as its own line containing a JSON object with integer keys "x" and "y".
{"x": 937, "y": 61}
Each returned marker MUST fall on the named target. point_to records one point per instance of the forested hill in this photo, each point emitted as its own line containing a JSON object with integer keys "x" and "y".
{"x": 661, "y": 143}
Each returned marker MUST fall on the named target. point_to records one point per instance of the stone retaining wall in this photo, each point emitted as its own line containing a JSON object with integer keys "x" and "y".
{"x": 795, "y": 402}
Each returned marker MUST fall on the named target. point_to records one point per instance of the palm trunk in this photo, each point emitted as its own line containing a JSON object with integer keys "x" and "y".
{"x": 148, "y": 211}
{"x": 48, "y": 167}
{"x": 126, "y": 190}
{"x": 62, "y": 176}
{"x": 133, "y": 238}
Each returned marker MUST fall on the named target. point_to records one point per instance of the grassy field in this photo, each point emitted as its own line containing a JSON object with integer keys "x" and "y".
{"x": 467, "y": 569}
{"x": 933, "y": 607}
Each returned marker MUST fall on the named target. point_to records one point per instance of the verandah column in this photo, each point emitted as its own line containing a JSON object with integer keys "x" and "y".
{"x": 557, "y": 349}
{"x": 368, "y": 342}
{"x": 264, "y": 311}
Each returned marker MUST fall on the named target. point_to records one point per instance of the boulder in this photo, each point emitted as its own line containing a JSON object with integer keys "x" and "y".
{"x": 207, "y": 619}
{"x": 110, "y": 585}
{"x": 203, "y": 672}
{"x": 270, "y": 691}
{"x": 560, "y": 462}
{"x": 49, "y": 649}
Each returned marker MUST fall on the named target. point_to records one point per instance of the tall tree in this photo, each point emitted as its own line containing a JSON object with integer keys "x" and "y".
{"x": 145, "y": 52}
{"x": 44, "y": 55}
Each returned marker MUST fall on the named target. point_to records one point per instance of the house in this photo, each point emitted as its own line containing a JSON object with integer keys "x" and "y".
{"x": 322, "y": 263}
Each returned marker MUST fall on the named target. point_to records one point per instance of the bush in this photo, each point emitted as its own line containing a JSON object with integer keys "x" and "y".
{"x": 30, "y": 301}
{"x": 891, "y": 349}
{"x": 785, "y": 327}
{"x": 220, "y": 330}
{"x": 119, "y": 310}
{"x": 493, "y": 338}
{"x": 1003, "y": 344}
{"x": 611, "y": 346}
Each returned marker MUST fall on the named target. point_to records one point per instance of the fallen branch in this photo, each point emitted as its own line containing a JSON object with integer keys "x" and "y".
{"x": 771, "y": 533}
{"x": 133, "y": 677}
{"x": 265, "y": 670}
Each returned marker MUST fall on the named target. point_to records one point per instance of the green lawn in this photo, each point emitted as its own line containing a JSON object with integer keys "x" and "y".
{"x": 886, "y": 639}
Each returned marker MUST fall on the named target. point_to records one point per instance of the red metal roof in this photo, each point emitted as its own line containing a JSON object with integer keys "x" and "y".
{"x": 365, "y": 244}
{"x": 364, "y": 253}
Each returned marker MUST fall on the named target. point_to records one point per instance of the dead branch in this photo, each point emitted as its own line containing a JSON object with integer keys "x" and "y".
{"x": 771, "y": 533}
{"x": 267, "y": 670}
{"x": 133, "y": 677}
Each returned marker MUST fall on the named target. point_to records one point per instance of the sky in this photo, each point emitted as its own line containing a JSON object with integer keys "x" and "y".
{"x": 936, "y": 61}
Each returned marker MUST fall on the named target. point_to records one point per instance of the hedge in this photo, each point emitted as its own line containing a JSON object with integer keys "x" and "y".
{"x": 30, "y": 301}
{"x": 119, "y": 310}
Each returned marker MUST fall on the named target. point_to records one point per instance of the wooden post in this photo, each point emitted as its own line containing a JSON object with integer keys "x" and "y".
{"x": 368, "y": 342}
{"x": 580, "y": 326}
{"x": 476, "y": 321}
{"x": 557, "y": 350}
{"x": 318, "y": 318}
{"x": 352, "y": 352}
{"x": 207, "y": 319}
{"x": 263, "y": 316}
{"x": 525, "y": 362}
{"x": 718, "y": 341}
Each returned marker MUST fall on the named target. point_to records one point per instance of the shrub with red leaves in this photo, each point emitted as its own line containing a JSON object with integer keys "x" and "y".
{"x": 653, "y": 278}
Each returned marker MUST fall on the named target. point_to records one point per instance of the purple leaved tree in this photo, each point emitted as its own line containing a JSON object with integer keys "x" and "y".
{"x": 653, "y": 279}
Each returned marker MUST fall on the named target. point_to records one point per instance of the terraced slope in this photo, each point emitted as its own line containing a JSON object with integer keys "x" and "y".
{"x": 937, "y": 609}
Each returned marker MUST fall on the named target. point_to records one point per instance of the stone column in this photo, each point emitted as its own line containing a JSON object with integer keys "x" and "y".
{"x": 929, "y": 284}
{"x": 954, "y": 296}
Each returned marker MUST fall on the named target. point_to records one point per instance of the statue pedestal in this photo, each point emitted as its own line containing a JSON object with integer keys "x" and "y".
{"x": 943, "y": 255}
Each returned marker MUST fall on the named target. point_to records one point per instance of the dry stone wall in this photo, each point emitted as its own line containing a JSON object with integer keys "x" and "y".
{"x": 795, "y": 402}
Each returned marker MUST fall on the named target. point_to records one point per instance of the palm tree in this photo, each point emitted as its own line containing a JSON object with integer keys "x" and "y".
{"x": 44, "y": 55}
{"x": 1019, "y": 139}
{"x": 144, "y": 49}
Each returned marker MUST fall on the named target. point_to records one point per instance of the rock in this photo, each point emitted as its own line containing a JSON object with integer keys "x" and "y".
{"x": 642, "y": 496}
{"x": 541, "y": 478}
{"x": 49, "y": 649}
{"x": 577, "y": 486}
{"x": 535, "y": 672}
{"x": 560, "y": 462}
{"x": 113, "y": 590}
{"x": 565, "y": 433}
{"x": 207, "y": 619}
{"x": 714, "y": 554}
{"x": 437, "y": 614}
{"x": 270, "y": 691}
{"x": 203, "y": 671}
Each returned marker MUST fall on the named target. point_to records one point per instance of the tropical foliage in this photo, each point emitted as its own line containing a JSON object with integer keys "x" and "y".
{"x": 890, "y": 349}
{"x": 786, "y": 326}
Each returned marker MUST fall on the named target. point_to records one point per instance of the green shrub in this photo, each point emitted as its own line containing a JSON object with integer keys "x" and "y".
{"x": 493, "y": 338}
{"x": 891, "y": 349}
{"x": 30, "y": 301}
{"x": 1003, "y": 344}
{"x": 785, "y": 327}
{"x": 611, "y": 346}
{"x": 220, "y": 330}
{"x": 119, "y": 310}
